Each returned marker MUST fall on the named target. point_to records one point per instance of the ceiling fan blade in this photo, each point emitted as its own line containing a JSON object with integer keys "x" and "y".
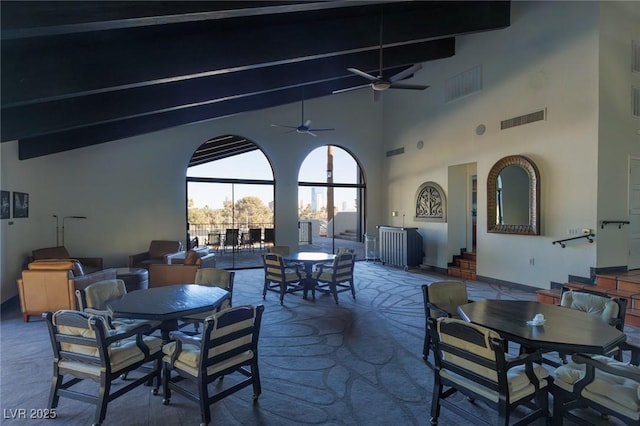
{"x": 408, "y": 86}
{"x": 307, "y": 123}
{"x": 348, "y": 89}
{"x": 311, "y": 133}
{"x": 406, "y": 73}
{"x": 321, "y": 130}
{"x": 362, "y": 74}
{"x": 286, "y": 127}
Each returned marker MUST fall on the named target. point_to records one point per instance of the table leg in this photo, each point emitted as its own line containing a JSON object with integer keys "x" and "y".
{"x": 309, "y": 282}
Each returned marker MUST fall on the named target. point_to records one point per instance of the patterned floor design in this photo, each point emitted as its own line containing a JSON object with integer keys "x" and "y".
{"x": 358, "y": 363}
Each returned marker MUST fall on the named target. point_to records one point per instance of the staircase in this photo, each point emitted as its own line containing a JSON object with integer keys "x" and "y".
{"x": 622, "y": 284}
{"x": 348, "y": 235}
{"x": 463, "y": 265}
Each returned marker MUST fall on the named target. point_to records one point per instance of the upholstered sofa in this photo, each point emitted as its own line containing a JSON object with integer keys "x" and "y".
{"x": 89, "y": 264}
{"x": 50, "y": 285}
{"x": 207, "y": 260}
{"x": 157, "y": 253}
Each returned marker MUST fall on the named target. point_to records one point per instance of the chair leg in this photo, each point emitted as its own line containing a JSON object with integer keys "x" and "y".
{"x": 427, "y": 344}
{"x": 55, "y": 386}
{"x": 255, "y": 374}
{"x": 205, "y": 408}
{"x": 264, "y": 289}
{"x": 353, "y": 289}
{"x": 435, "y": 402}
{"x": 166, "y": 391}
{"x": 334, "y": 291}
{"x": 283, "y": 288}
{"x": 103, "y": 400}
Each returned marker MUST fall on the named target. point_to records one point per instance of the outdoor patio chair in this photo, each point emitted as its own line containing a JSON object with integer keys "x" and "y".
{"x": 85, "y": 348}
{"x": 228, "y": 344}
{"x": 232, "y": 239}
{"x": 470, "y": 359}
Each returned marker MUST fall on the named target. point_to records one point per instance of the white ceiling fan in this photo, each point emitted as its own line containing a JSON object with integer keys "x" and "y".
{"x": 304, "y": 127}
{"x": 379, "y": 83}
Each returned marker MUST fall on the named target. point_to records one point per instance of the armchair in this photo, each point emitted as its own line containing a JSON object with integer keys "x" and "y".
{"x": 51, "y": 285}
{"x": 228, "y": 344}
{"x": 158, "y": 250}
{"x": 84, "y": 348}
{"x": 89, "y": 264}
{"x": 94, "y": 300}
{"x": 281, "y": 278}
{"x": 608, "y": 386}
{"x": 470, "y": 360}
{"x": 337, "y": 277}
{"x": 441, "y": 299}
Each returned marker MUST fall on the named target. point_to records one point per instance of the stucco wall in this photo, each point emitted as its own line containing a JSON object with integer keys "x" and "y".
{"x": 543, "y": 61}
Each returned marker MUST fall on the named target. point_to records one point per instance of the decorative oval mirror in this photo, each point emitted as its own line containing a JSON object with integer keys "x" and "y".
{"x": 513, "y": 197}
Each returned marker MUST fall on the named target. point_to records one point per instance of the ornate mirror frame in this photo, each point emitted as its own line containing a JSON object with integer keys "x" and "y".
{"x": 533, "y": 228}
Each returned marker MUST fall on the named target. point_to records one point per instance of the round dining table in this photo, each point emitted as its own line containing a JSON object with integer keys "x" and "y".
{"x": 308, "y": 259}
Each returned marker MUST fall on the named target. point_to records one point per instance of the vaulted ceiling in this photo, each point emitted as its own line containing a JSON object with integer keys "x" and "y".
{"x": 80, "y": 73}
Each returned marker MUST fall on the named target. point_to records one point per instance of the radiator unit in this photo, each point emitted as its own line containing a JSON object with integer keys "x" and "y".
{"x": 400, "y": 246}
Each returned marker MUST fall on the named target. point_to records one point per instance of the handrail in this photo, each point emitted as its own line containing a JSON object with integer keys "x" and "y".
{"x": 562, "y": 242}
{"x": 619, "y": 222}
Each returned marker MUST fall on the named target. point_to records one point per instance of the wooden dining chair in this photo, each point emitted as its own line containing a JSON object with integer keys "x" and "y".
{"x": 228, "y": 345}
{"x": 85, "y": 349}
{"x": 470, "y": 360}
{"x": 608, "y": 386}
{"x": 611, "y": 310}
{"x": 280, "y": 277}
{"x": 441, "y": 299}
{"x": 95, "y": 298}
{"x": 336, "y": 277}
{"x": 216, "y": 278}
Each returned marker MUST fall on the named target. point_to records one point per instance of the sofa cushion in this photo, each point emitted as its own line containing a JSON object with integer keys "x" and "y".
{"x": 50, "y": 253}
{"x": 58, "y": 265}
{"x": 159, "y": 248}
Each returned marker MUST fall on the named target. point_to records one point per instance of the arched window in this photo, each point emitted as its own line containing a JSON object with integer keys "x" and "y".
{"x": 331, "y": 195}
{"x": 230, "y": 191}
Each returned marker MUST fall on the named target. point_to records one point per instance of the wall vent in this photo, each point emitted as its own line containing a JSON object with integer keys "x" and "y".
{"x": 464, "y": 84}
{"x": 635, "y": 56}
{"x": 523, "y": 119}
{"x": 635, "y": 101}
{"x": 397, "y": 151}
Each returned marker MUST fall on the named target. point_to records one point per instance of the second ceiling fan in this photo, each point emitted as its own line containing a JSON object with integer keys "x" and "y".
{"x": 305, "y": 126}
{"x": 379, "y": 83}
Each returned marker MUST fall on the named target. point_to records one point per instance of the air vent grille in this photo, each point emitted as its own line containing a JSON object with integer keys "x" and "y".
{"x": 523, "y": 119}
{"x": 397, "y": 151}
{"x": 464, "y": 84}
{"x": 635, "y": 101}
{"x": 635, "y": 56}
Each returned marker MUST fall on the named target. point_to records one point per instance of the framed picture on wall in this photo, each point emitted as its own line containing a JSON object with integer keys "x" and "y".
{"x": 5, "y": 204}
{"x": 20, "y": 204}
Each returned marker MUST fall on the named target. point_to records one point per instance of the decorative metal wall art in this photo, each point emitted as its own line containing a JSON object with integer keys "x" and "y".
{"x": 431, "y": 203}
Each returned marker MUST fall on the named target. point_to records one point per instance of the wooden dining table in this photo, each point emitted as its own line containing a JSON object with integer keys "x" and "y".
{"x": 308, "y": 259}
{"x": 167, "y": 304}
{"x": 564, "y": 330}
